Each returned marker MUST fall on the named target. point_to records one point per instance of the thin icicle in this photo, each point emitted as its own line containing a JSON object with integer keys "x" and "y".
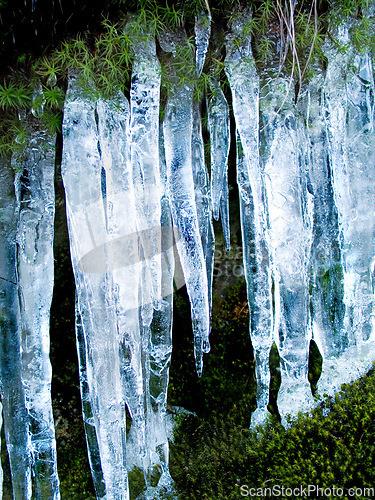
{"x": 87, "y": 409}
{"x": 219, "y": 128}
{"x": 202, "y": 39}
{"x": 35, "y": 269}
{"x": 155, "y": 322}
{"x": 16, "y": 422}
{"x": 177, "y": 128}
{"x": 244, "y": 83}
{"x": 202, "y": 197}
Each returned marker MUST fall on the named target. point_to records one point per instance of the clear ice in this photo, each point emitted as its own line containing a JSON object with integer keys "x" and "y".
{"x": 177, "y": 131}
{"x": 202, "y": 197}
{"x": 35, "y": 194}
{"x": 219, "y": 128}
{"x": 244, "y": 84}
{"x": 15, "y": 415}
{"x": 93, "y": 253}
{"x": 140, "y": 203}
{"x": 202, "y": 39}
{"x": 289, "y": 205}
{"x": 348, "y": 107}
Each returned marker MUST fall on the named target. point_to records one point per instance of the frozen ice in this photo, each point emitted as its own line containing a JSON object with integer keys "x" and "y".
{"x": 326, "y": 271}
{"x": 89, "y": 213}
{"x": 15, "y": 417}
{"x": 202, "y": 197}
{"x": 349, "y": 113}
{"x": 348, "y": 108}
{"x": 219, "y": 128}
{"x": 244, "y": 84}
{"x": 144, "y": 136}
{"x": 34, "y": 187}
{"x": 202, "y": 38}
{"x": 177, "y": 130}
{"x": 289, "y": 204}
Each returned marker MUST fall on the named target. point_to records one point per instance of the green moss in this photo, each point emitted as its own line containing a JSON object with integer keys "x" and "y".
{"x": 333, "y": 446}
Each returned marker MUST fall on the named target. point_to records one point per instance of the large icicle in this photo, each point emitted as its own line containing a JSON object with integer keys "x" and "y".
{"x": 289, "y": 204}
{"x": 35, "y": 268}
{"x": 144, "y": 133}
{"x": 219, "y": 128}
{"x": 148, "y": 190}
{"x": 177, "y": 127}
{"x": 93, "y": 256}
{"x": 244, "y": 84}
{"x": 326, "y": 270}
{"x": 349, "y": 113}
{"x": 16, "y": 422}
{"x": 125, "y": 253}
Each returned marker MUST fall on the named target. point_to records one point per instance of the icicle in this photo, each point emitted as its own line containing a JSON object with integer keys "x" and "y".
{"x": 16, "y": 422}
{"x": 202, "y": 38}
{"x": 87, "y": 409}
{"x": 94, "y": 255}
{"x": 144, "y": 132}
{"x": 123, "y": 247}
{"x": 177, "y": 129}
{"x": 160, "y": 352}
{"x": 290, "y": 227}
{"x": 280, "y": 187}
{"x": 219, "y": 128}
{"x": 202, "y": 197}
{"x": 244, "y": 83}
{"x": 326, "y": 270}
{"x": 35, "y": 269}
{"x": 349, "y": 113}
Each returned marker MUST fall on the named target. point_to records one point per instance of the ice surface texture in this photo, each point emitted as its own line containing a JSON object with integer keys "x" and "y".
{"x": 35, "y": 267}
{"x": 177, "y": 130}
{"x": 244, "y": 84}
{"x": 15, "y": 417}
{"x": 140, "y": 199}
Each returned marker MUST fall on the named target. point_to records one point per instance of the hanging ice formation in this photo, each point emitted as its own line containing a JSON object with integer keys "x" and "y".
{"x": 244, "y": 83}
{"x": 137, "y": 194}
{"x": 35, "y": 272}
{"x": 27, "y": 283}
{"x": 177, "y": 131}
{"x": 15, "y": 418}
{"x": 349, "y": 116}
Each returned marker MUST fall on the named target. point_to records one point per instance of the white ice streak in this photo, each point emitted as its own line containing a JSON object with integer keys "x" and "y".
{"x": 35, "y": 270}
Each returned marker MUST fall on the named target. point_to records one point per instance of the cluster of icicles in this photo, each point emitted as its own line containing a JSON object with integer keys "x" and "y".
{"x": 137, "y": 193}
